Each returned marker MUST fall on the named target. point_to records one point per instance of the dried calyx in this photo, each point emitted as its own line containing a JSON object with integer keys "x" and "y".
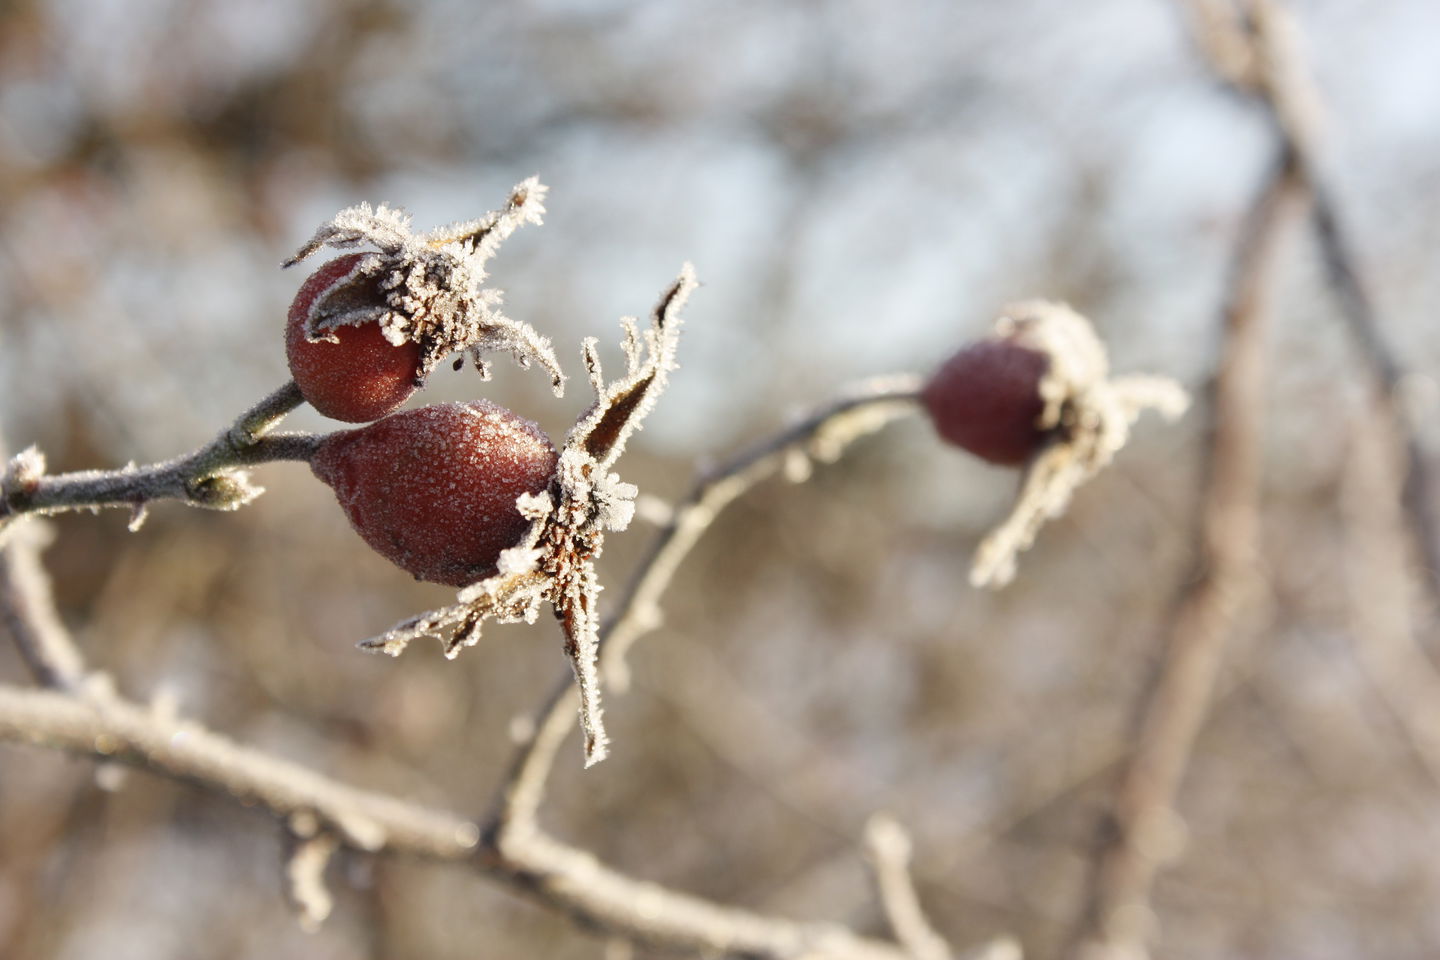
{"x": 553, "y": 561}
{"x": 427, "y": 288}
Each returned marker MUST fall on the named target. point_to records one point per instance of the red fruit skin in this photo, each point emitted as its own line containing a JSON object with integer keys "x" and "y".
{"x": 986, "y": 399}
{"x": 361, "y": 377}
{"x": 433, "y": 490}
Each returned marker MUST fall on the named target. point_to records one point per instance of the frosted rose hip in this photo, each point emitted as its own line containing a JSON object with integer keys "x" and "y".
{"x": 986, "y": 399}
{"x": 433, "y": 490}
{"x": 360, "y": 376}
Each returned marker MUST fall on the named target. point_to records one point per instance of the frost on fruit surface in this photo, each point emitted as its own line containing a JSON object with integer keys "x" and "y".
{"x": 554, "y": 561}
{"x": 1090, "y": 414}
{"x": 352, "y": 373}
{"x": 434, "y": 490}
{"x": 428, "y": 288}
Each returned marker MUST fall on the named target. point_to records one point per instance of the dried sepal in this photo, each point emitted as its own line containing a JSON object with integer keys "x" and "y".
{"x": 428, "y": 288}
{"x": 554, "y": 562}
{"x": 1089, "y": 413}
{"x": 620, "y": 406}
{"x": 575, "y": 607}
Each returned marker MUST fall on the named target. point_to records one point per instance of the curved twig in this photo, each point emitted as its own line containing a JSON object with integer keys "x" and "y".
{"x": 205, "y": 478}
{"x": 129, "y": 733}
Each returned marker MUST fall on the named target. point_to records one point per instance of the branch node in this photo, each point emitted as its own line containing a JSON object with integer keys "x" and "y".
{"x": 360, "y": 831}
{"x": 228, "y": 490}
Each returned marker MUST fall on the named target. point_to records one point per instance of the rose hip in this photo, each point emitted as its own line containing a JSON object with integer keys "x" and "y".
{"x": 357, "y": 377}
{"x": 433, "y": 490}
{"x": 986, "y": 399}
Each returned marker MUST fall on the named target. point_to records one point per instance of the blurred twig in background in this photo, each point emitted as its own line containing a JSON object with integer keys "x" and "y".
{"x": 1252, "y": 47}
{"x": 1253, "y": 50}
{"x": 1143, "y": 830}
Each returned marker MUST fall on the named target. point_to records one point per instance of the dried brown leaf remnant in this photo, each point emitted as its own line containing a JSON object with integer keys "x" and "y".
{"x": 555, "y": 561}
{"x": 428, "y": 288}
{"x": 1086, "y": 413}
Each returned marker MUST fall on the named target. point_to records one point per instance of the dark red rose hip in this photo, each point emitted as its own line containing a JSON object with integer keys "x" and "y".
{"x": 360, "y": 376}
{"x": 986, "y": 399}
{"x": 433, "y": 490}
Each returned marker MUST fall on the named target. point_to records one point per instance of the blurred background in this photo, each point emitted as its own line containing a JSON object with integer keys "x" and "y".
{"x": 861, "y": 185}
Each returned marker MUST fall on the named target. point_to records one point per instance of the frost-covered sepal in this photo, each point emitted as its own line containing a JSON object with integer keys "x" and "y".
{"x": 555, "y": 561}
{"x": 428, "y": 288}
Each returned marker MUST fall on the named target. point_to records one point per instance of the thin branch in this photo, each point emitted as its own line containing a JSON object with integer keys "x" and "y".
{"x": 821, "y": 436}
{"x": 888, "y": 850}
{"x": 1416, "y": 492}
{"x": 564, "y": 877}
{"x": 1253, "y": 51}
{"x": 1381, "y": 590}
{"x": 28, "y": 612}
{"x": 1141, "y": 832}
{"x": 204, "y": 478}
{"x": 27, "y": 607}
{"x": 129, "y": 733}
{"x": 573, "y": 881}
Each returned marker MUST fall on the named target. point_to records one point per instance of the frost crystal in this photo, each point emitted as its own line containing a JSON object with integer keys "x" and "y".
{"x": 428, "y": 288}
{"x": 23, "y": 471}
{"x": 554, "y": 562}
{"x": 1090, "y": 414}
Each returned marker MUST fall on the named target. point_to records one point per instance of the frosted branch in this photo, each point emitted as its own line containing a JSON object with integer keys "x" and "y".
{"x": 130, "y": 733}
{"x": 27, "y": 604}
{"x": 27, "y": 611}
{"x": 888, "y": 850}
{"x": 560, "y": 876}
{"x": 209, "y": 477}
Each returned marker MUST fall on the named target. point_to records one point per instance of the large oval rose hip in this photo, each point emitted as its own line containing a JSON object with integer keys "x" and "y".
{"x": 433, "y": 490}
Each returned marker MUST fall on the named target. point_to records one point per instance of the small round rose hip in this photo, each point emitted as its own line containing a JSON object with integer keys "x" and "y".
{"x": 986, "y": 399}
{"x": 433, "y": 490}
{"x": 354, "y": 374}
